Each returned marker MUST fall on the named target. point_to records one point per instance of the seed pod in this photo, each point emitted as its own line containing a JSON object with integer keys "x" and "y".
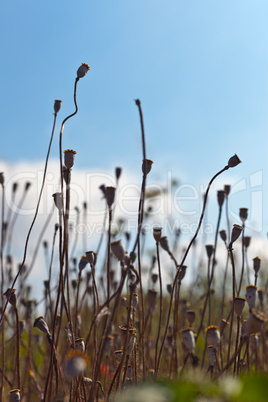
{"x": 157, "y": 232}
{"x": 82, "y": 70}
{"x": 213, "y": 336}
{"x": 239, "y": 304}
{"x": 57, "y": 105}
{"x": 14, "y": 395}
{"x": 118, "y": 250}
{"x": 80, "y": 345}
{"x": 220, "y": 197}
{"x": 182, "y": 272}
{"x": 223, "y": 325}
{"x": 154, "y": 278}
{"x": 251, "y": 293}
{"x": 255, "y": 322}
{"x": 243, "y": 213}
{"x": 188, "y": 340}
{"x": 246, "y": 241}
{"x": 69, "y": 155}
{"x": 190, "y": 316}
{"x": 87, "y": 381}
{"x": 227, "y": 189}
{"x": 110, "y": 195}
{"x": 236, "y": 232}
{"x": 13, "y": 297}
{"x": 146, "y": 166}
{"x": 91, "y": 257}
{"x": 41, "y": 324}
{"x": 164, "y": 243}
{"x": 82, "y": 263}
{"x": 58, "y": 200}
{"x": 223, "y": 235}
{"x": 2, "y": 178}
{"x": 118, "y": 172}
{"x": 209, "y": 250}
{"x": 233, "y": 161}
{"x": 256, "y": 264}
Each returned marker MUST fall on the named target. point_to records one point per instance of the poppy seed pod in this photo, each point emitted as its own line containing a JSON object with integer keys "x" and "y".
{"x": 80, "y": 345}
{"x": 243, "y": 214}
{"x": 256, "y": 264}
{"x": 110, "y": 195}
{"x": 41, "y": 324}
{"x": 57, "y": 105}
{"x": 154, "y": 278}
{"x": 213, "y": 336}
{"x": 209, "y": 250}
{"x": 146, "y": 166}
{"x": 82, "y": 70}
{"x": 246, "y": 241}
{"x": 236, "y": 232}
{"x": 220, "y": 197}
{"x": 118, "y": 250}
{"x": 227, "y": 189}
{"x": 82, "y": 263}
{"x": 223, "y": 325}
{"x": 239, "y": 304}
{"x": 211, "y": 355}
{"x": 255, "y": 322}
{"x": 188, "y": 340}
{"x": 164, "y": 243}
{"x": 169, "y": 288}
{"x": 2, "y": 178}
{"x": 223, "y": 235}
{"x": 11, "y": 294}
{"x": 14, "y": 395}
{"x": 118, "y": 172}
{"x": 58, "y": 200}
{"x": 251, "y": 293}
{"x": 157, "y": 232}
{"x": 182, "y": 272}
{"x": 190, "y": 316}
{"x": 69, "y": 155}
{"x": 233, "y": 161}
{"x": 91, "y": 257}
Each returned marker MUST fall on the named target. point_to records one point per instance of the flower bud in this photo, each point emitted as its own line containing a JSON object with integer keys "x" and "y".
{"x": 234, "y": 161}
{"x": 12, "y": 297}
{"x": 146, "y": 166}
{"x": 41, "y": 324}
{"x": 82, "y": 70}
{"x": 57, "y": 105}
{"x": 69, "y": 155}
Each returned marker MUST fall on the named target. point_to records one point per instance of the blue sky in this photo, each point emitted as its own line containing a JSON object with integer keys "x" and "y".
{"x": 200, "y": 69}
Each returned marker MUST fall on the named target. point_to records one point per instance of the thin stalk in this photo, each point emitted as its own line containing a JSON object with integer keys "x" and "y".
{"x": 2, "y": 289}
{"x": 161, "y": 302}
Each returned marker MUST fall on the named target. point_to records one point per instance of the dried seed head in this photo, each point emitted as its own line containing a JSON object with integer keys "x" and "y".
{"x": 91, "y": 257}
{"x": 239, "y": 304}
{"x": 110, "y": 195}
{"x": 151, "y": 299}
{"x": 236, "y": 232}
{"x": 41, "y": 324}
{"x": 211, "y": 355}
{"x": 246, "y": 241}
{"x": 146, "y": 166}
{"x": 223, "y": 325}
{"x": 255, "y": 322}
{"x": 256, "y": 264}
{"x": 57, "y": 105}
{"x": 82, "y": 70}
{"x": 87, "y": 381}
{"x": 154, "y": 278}
{"x": 234, "y": 161}
{"x": 118, "y": 250}
{"x": 223, "y": 235}
{"x": 227, "y": 189}
{"x": 80, "y": 345}
{"x": 2, "y": 178}
{"x": 213, "y": 336}
{"x": 243, "y": 213}
{"x": 75, "y": 365}
{"x": 82, "y": 263}
{"x": 11, "y": 294}
{"x": 169, "y": 288}
{"x": 27, "y": 186}
{"x": 164, "y": 243}
{"x": 220, "y": 197}
{"x": 188, "y": 340}
{"x": 182, "y": 272}
{"x": 251, "y": 293}
{"x": 209, "y": 250}
{"x": 69, "y": 155}
{"x": 118, "y": 172}
{"x": 157, "y": 232}
{"x": 14, "y": 395}
{"x": 58, "y": 200}
{"x": 190, "y": 316}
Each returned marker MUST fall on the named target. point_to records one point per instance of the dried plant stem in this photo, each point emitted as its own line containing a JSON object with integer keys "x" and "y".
{"x": 236, "y": 342}
{"x": 243, "y": 260}
{"x": 18, "y": 346}
{"x": 160, "y": 303}
{"x": 2, "y": 290}
{"x": 33, "y": 222}
{"x": 232, "y": 311}
{"x": 184, "y": 258}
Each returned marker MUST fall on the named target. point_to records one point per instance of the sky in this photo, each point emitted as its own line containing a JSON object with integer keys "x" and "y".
{"x": 199, "y": 67}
